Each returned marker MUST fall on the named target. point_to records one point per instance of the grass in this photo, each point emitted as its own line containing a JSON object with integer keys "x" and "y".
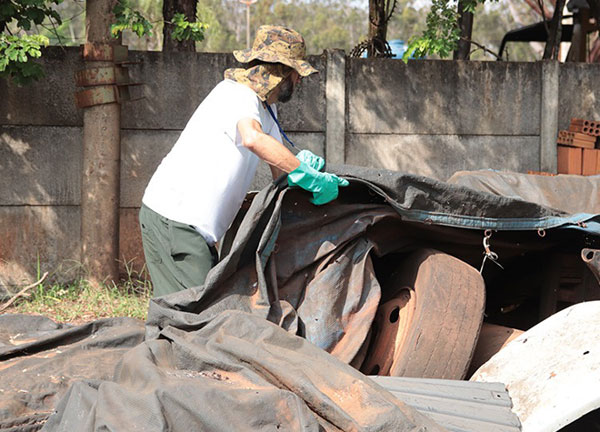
{"x": 78, "y": 302}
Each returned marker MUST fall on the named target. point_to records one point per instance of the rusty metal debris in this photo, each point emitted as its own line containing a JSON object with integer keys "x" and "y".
{"x": 106, "y": 83}
{"x": 592, "y": 258}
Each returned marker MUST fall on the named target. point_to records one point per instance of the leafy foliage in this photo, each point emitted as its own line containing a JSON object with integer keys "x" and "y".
{"x": 18, "y": 50}
{"x": 15, "y": 53}
{"x": 26, "y": 12}
{"x": 325, "y": 24}
{"x": 128, "y": 18}
{"x": 442, "y": 33}
{"x": 185, "y": 30}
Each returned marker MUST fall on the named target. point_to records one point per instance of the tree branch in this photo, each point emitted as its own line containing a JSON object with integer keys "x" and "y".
{"x": 22, "y": 292}
{"x": 482, "y": 47}
{"x": 554, "y": 34}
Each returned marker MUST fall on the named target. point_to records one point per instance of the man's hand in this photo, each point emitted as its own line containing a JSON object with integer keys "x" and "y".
{"x": 324, "y": 186}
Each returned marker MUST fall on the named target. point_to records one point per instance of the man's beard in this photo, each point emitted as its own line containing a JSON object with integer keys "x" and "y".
{"x": 286, "y": 91}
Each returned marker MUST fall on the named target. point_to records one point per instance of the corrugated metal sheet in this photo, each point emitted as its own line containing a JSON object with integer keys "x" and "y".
{"x": 459, "y": 406}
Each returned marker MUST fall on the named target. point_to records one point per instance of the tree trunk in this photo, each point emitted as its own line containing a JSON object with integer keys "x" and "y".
{"x": 554, "y": 32}
{"x": 170, "y": 8}
{"x": 377, "y": 24}
{"x": 101, "y": 164}
{"x": 465, "y": 23}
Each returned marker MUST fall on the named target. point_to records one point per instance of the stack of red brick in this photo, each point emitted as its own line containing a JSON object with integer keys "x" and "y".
{"x": 579, "y": 148}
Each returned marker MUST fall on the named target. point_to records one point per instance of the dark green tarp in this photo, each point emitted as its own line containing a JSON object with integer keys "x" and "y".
{"x": 266, "y": 342}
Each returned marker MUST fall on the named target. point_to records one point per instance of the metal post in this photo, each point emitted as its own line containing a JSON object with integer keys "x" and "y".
{"x": 247, "y": 25}
{"x": 248, "y": 3}
{"x": 101, "y": 165}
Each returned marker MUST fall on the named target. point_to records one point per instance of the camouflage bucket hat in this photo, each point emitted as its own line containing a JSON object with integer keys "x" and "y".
{"x": 263, "y": 79}
{"x": 275, "y": 44}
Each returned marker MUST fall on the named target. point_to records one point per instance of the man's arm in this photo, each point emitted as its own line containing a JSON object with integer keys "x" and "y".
{"x": 279, "y": 158}
{"x": 324, "y": 186}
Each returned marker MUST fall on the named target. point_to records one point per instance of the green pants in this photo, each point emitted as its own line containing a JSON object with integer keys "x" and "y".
{"x": 177, "y": 256}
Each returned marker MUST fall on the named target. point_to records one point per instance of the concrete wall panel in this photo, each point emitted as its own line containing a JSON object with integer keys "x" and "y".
{"x": 141, "y": 153}
{"x": 439, "y": 156}
{"x": 40, "y": 165}
{"x": 443, "y": 97}
{"x": 176, "y": 83}
{"x": 573, "y": 100}
{"x": 49, "y": 234}
{"x": 50, "y": 101}
{"x": 306, "y": 112}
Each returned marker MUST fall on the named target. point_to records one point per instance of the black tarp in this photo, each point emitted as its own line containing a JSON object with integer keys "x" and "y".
{"x": 569, "y": 193}
{"x": 265, "y": 343}
{"x": 40, "y": 359}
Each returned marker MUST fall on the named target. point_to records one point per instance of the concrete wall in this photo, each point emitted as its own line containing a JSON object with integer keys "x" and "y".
{"x": 424, "y": 117}
{"x": 437, "y": 117}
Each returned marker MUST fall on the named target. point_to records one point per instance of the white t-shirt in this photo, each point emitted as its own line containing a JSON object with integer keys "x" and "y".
{"x": 203, "y": 180}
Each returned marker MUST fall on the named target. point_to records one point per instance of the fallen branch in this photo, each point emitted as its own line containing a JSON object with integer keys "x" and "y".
{"x": 22, "y": 292}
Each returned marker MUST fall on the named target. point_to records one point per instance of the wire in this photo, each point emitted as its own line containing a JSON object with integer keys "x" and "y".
{"x": 279, "y": 126}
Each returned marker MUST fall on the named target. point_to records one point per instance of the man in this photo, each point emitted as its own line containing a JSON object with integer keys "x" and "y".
{"x": 198, "y": 188}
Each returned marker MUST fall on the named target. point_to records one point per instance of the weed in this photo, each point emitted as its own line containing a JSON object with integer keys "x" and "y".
{"x": 78, "y": 302}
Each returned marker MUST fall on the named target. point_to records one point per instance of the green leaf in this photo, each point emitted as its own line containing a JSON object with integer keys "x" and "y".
{"x": 3, "y": 63}
{"x": 185, "y": 30}
{"x": 7, "y": 10}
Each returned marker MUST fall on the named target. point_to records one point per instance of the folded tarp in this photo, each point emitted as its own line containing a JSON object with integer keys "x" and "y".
{"x": 238, "y": 373}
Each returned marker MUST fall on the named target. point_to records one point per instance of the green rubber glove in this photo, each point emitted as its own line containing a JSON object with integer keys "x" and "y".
{"x": 311, "y": 159}
{"x": 324, "y": 186}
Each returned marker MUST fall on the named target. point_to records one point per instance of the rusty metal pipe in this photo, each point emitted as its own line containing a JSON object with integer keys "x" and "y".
{"x": 592, "y": 258}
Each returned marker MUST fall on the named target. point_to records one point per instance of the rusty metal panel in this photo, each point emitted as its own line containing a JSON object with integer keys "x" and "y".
{"x": 102, "y": 76}
{"x": 459, "y": 406}
{"x": 96, "y": 96}
{"x": 592, "y": 258}
{"x": 95, "y": 76}
{"x": 38, "y": 235}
